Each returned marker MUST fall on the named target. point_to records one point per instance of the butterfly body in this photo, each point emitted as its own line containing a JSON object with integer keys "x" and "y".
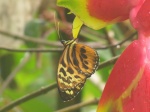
{"x": 77, "y": 63}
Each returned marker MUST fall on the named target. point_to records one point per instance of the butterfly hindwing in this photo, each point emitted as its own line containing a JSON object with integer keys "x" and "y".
{"x": 76, "y": 64}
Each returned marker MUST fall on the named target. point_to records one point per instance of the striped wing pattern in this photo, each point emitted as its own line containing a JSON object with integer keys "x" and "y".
{"x": 77, "y": 63}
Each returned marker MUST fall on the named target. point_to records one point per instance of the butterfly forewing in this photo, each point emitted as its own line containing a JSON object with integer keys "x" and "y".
{"x": 84, "y": 59}
{"x": 76, "y": 64}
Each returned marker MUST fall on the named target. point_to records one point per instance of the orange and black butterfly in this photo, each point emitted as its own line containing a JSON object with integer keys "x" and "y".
{"x": 77, "y": 63}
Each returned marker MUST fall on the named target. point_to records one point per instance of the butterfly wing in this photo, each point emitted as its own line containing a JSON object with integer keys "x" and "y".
{"x": 77, "y": 63}
{"x": 85, "y": 59}
{"x": 69, "y": 80}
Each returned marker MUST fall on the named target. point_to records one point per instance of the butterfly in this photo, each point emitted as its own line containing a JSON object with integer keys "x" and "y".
{"x": 77, "y": 63}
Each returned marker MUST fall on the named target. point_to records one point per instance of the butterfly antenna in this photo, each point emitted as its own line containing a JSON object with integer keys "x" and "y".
{"x": 57, "y": 27}
{"x": 58, "y": 32}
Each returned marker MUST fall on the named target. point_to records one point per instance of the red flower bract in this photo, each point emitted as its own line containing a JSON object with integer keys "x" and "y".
{"x": 128, "y": 87}
{"x": 142, "y": 19}
{"x": 109, "y": 10}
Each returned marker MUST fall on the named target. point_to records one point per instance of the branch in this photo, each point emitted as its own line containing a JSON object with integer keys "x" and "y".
{"x": 27, "y": 97}
{"x": 95, "y": 45}
{"x": 31, "y": 50}
{"x": 110, "y": 42}
{"x": 109, "y": 62}
{"x": 120, "y": 43}
{"x": 92, "y": 44}
{"x": 79, "y": 105}
{"x": 30, "y": 39}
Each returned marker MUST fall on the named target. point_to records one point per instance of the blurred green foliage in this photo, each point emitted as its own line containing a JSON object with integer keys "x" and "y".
{"x": 41, "y": 69}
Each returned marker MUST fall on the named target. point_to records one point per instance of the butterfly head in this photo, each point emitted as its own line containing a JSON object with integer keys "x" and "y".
{"x": 65, "y": 43}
